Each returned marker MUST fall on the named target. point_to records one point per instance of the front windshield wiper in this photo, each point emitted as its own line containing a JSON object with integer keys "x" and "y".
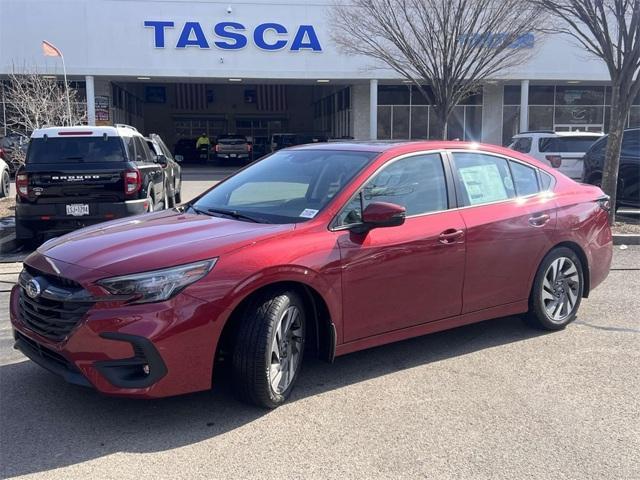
{"x": 237, "y": 215}
{"x": 228, "y": 213}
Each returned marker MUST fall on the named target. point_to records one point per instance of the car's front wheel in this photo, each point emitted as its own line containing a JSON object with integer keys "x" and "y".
{"x": 557, "y": 290}
{"x": 269, "y": 347}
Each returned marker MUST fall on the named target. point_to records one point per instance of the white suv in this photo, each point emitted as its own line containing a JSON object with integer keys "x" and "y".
{"x": 562, "y": 150}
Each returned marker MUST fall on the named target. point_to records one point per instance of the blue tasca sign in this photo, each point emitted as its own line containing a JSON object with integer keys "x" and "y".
{"x": 233, "y": 36}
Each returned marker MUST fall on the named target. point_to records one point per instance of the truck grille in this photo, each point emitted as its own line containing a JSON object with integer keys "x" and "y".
{"x": 57, "y": 309}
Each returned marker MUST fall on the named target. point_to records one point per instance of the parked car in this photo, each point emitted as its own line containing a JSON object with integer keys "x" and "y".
{"x": 172, "y": 170}
{"x": 629, "y": 173}
{"x": 232, "y": 147}
{"x": 186, "y": 148}
{"x": 328, "y": 249}
{"x": 562, "y": 150}
{"x": 285, "y": 140}
{"x": 5, "y": 178}
{"x": 78, "y": 176}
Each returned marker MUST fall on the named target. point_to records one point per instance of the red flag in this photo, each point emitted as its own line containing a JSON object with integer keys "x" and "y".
{"x": 49, "y": 50}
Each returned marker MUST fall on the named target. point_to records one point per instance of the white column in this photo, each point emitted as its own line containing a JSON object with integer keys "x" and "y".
{"x": 91, "y": 100}
{"x": 492, "y": 101}
{"x": 373, "y": 110}
{"x": 524, "y": 105}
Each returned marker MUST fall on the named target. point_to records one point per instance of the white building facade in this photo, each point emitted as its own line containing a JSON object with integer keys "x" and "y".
{"x": 183, "y": 67}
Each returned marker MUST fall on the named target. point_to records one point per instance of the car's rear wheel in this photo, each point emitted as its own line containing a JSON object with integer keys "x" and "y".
{"x": 5, "y": 184}
{"x": 268, "y": 352}
{"x": 557, "y": 290}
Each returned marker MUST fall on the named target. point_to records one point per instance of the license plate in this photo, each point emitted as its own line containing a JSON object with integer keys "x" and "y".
{"x": 78, "y": 209}
{"x": 233, "y": 155}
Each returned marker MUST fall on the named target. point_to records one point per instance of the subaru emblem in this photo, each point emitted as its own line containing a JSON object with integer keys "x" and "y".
{"x": 33, "y": 288}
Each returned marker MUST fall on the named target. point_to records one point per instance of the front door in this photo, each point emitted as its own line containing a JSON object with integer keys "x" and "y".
{"x": 398, "y": 277}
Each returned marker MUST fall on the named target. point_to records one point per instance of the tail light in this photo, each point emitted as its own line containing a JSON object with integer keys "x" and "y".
{"x": 554, "y": 160}
{"x": 132, "y": 182}
{"x": 22, "y": 184}
{"x": 1, "y": 153}
{"x": 604, "y": 203}
{"x": 248, "y": 147}
{"x": 217, "y": 148}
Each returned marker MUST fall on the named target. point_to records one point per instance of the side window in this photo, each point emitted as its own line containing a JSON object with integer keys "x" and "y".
{"x": 631, "y": 143}
{"x": 483, "y": 178}
{"x": 522, "y": 145}
{"x": 131, "y": 149}
{"x": 143, "y": 154}
{"x": 417, "y": 183}
{"x": 546, "y": 181}
{"x": 524, "y": 178}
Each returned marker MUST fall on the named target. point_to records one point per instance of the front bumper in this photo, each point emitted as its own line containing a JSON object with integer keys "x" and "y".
{"x": 143, "y": 351}
{"x": 52, "y": 217}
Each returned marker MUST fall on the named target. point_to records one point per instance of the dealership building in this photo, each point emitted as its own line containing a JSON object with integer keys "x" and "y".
{"x": 180, "y": 68}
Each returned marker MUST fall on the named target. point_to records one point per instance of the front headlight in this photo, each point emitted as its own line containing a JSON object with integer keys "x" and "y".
{"x": 157, "y": 285}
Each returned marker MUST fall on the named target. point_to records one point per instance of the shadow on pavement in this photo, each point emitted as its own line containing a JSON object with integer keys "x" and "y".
{"x": 47, "y": 424}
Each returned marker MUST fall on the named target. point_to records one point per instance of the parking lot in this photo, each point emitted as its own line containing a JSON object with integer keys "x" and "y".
{"x": 492, "y": 400}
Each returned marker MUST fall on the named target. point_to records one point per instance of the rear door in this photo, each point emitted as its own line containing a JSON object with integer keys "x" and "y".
{"x": 398, "y": 277}
{"x": 508, "y": 225}
{"x": 76, "y": 170}
{"x": 151, "y": 171}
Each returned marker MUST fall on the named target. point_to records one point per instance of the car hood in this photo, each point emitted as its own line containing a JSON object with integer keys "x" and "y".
{"x": 154, "y": 241}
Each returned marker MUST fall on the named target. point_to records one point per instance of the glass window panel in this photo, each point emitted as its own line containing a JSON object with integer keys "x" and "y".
{"x": 571, "y": 95}
{"x": 393, "y": 95}
{"x": 541, "y": 95}
{"x": 435, "y": 127}
{"x": 541, "y": 118}
{"x": 475, "y": 99}
{"x": 400, "y": 123}
{"x": 455, "y": 129}
{"x": 483, "y": 178}
{"x": 417, "y": 183}
{"x": 384, "y": 123}
{"x": 417, "y": 98}
{"x": 579, "y": 115}
{"x": 524, "y": 178}
{"x": 512, "y": 94}
{"x": 510, "y": 123}
{"x": 473, "y": 124}
{"x": 634, "y": 117}
{"x": 419, "y": 122}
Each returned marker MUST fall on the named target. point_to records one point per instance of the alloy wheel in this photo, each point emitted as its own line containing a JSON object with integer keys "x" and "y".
{"x": 286, "y": 348}
{"x": 560, "y": 289}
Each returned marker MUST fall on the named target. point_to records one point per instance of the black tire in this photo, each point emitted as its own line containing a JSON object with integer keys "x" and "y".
{"x": 253, "y": 360}
{"x": 558, "y": 294}
{"x": 5, "y": 184}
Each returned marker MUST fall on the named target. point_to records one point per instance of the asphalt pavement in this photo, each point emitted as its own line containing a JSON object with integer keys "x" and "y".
{"x": 495, "y": 400}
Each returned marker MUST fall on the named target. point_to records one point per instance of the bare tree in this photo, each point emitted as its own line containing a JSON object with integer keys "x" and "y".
{"x": 450, "y": 45}
{"x": 610, "y": 30}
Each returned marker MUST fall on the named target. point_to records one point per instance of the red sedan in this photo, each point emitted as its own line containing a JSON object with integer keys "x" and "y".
{"x": 326, "y": 249}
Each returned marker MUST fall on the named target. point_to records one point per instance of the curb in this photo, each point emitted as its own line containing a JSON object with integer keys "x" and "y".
{"x": 626, "y": 239}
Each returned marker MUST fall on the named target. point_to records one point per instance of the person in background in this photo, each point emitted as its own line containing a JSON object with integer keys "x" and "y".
{"x": 203, "y": 140}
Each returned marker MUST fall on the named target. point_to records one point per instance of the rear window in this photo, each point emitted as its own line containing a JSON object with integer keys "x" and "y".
{"x": 566, "y": 144}
{"x": 75, "y": 150}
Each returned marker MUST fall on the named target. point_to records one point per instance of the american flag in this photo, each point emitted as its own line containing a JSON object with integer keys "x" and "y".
{"x": 272, "y": 98}
{"x": 191, "y": 96}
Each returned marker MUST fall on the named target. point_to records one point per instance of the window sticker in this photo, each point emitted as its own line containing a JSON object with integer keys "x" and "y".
{"x": 483, "y": 183}
{"x": 308, "y": 213}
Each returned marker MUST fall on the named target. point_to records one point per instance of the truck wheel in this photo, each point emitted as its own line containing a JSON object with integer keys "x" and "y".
{"x": 5, "y": 184}
{"x": 268, "y": 352}
{"x": 557, "y": 290}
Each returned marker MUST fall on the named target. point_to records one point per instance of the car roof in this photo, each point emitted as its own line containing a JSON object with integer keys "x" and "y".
{"x": 389, "y": 145}
{"x": 550, "y": 134}
{"x": 118, "y": 130}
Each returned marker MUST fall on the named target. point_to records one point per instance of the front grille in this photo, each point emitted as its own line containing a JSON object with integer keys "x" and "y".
{"x": 57, "y": 309}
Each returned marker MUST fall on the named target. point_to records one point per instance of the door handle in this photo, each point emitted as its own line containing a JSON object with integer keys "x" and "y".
{"x": 450, "y": 236}
{"x": 539, "y": 220}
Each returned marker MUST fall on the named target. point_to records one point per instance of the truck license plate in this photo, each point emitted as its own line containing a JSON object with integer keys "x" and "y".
{"x": 78, "y": 209}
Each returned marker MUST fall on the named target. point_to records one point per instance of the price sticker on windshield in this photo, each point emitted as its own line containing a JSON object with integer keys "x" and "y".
{"x": 308, "y": 213}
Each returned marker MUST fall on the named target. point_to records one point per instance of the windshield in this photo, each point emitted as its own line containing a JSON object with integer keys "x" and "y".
{"x": 287, "y": 187}
{"x": 75, "y": 149}
{"x": 567, "y": 144}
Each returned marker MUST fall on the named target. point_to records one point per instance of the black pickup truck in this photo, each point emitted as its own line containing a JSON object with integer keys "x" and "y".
{"x": 79, "y": 176}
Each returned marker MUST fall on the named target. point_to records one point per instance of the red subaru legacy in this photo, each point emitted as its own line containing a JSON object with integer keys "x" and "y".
{"x": 326, "y": 249}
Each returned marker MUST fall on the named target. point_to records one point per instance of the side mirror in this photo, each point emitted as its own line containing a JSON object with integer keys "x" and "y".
{"x": 381, "y": 215}
{"x": 161, "y": 159}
